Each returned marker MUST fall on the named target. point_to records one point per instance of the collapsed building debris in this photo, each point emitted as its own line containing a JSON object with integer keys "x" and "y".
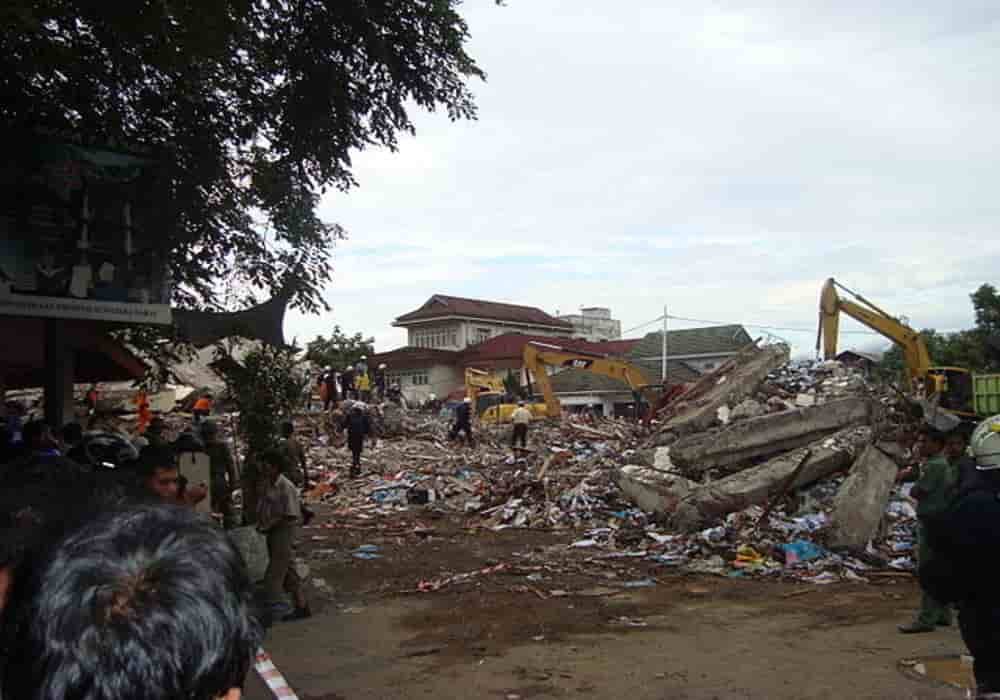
{"x": 788, "y": 495}
{"x": 697, "y": 409}
{"x": 732, "y": 448}
{"x": 861, "y": 501}
{"x": 756, "y": 486}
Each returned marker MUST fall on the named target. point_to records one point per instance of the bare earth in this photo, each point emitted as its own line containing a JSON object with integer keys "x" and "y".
{"x": 573, "y": 629}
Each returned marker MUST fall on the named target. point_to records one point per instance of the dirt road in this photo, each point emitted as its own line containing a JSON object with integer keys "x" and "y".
{"x": 584, "y": 627}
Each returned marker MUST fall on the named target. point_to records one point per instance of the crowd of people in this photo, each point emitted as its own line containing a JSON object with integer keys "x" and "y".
{"x": 956, "y": 483}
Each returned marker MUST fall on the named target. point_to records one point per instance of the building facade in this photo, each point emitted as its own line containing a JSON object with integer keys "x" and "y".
{"x": 594, "y": 324}
{"x": 456, "y": 323}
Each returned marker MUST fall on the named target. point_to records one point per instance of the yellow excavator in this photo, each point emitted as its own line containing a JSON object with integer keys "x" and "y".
{"x": 951, "y": 386}
{"x": 488, "y": 392}
{"x": 537, "y": 356}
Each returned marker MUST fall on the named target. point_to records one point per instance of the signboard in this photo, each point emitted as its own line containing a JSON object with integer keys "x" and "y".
{"x": 82, "y": 233}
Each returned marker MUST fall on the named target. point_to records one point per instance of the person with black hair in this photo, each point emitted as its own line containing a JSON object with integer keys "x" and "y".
{"x": 278, "y": 516}
{"x": 965, "y": 568}
{"x": 158, "y": 475}
{"x": 935, "y": 491}
{"x": 358, "y": 426}
{"x": 223, "y": 471}
{"x": 295, "y": 461}
{"x": 152, "y": 602}
{"x": 39, "y": 440}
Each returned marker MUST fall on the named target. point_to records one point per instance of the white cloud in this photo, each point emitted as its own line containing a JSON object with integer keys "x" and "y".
{"x": 722, "y": 158}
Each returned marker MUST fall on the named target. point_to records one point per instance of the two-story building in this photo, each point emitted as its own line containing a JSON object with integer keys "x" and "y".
{"x": 443, "y": 327}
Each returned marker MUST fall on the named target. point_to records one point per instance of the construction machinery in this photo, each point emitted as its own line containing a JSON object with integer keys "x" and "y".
{"x": 489, "y": 397}
{"x": 951, "y": 387}
{"x": 537, "y": 356}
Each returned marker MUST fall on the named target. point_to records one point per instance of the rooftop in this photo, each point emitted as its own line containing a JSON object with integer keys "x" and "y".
{"x": 443, "y": 306}
{"x": 507, "y": 349}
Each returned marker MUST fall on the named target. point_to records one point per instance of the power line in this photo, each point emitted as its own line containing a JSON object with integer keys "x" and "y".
{"x": 764, "y": 326}
{"x": 643, "y": 325}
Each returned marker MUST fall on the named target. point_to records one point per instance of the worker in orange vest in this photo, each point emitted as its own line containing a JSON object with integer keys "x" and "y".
{"x": 141, "y": 400}
{"x": 202, "y": 407}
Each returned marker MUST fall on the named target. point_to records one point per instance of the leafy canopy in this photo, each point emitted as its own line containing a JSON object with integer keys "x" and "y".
{"x": 253, "y": 106}
{"x": 339, "y": 350}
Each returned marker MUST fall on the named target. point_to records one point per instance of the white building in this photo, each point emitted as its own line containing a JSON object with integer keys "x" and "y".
{"x": 455, "y": 323}
{"x": 594, "y": 324}
{"x": 444, "y": 326}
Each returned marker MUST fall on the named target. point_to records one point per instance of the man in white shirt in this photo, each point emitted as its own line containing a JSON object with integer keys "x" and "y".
{"x": 521, "y": 417}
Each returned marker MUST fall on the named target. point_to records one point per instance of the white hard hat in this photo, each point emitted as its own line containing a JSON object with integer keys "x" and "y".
{"x": 347, "y": 368}
{"x": 467, "y": 400}
{"x": 986, "y": 444}
{"x": 364, "y": 357}
{"x": 382, "y": 366}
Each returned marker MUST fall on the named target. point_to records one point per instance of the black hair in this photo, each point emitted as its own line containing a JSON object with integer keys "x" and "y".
{"x": 72, "y": 433}
{"x": 152, "y": 602}
{"x": 153, "y": 458}
{"x": 274, "y": 456}
{"x": 287, "y": 428}
{"x": 932, "y": 433}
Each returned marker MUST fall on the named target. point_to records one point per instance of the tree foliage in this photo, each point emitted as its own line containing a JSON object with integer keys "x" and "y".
{"x": 268, "y": 386}
{"x": 339, "y": 350}
{"x": 254, "y": 107}
{"x": 973, "y": 349}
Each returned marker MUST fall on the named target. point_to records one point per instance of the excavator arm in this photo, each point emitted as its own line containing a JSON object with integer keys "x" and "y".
{"x": 918, "y": 360}
{"x": 537, "y": 356}
{"x": 477, "y": 381}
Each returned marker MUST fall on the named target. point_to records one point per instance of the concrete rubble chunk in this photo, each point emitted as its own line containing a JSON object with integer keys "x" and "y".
{"x": 861, "y": 500}
{"x": 730, "y": 388}
{"x": 653, "y": 490}
{"x": 732, "y": 447}
{"x": 756, "y": 486}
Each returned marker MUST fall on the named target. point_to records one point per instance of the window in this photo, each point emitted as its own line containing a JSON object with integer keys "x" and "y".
{"x": 482, "y": 334}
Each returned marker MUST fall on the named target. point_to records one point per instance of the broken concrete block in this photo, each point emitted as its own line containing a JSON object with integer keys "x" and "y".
{"x": 730, "y": 388}
{"x": 805, "y": 400}
{"x": 756, "y": 486}
{"x": 653, "y": 490}
{"x": 733, "y": 447}
{"x": 747, "y": 409}
{"x": 861, "y": 501}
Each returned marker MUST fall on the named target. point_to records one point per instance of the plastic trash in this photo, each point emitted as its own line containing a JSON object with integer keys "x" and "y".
{"x": 801, "y": 550}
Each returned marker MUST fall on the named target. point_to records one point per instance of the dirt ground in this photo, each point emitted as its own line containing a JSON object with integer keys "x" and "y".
{"x": 551, "y": 622}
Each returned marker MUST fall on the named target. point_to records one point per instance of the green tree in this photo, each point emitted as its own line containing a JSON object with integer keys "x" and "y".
{"x": 986, "y": 303}
{"x": 253, "y": 107}
{"x": 339, "y": 350}
{"x": 268, "y": 386}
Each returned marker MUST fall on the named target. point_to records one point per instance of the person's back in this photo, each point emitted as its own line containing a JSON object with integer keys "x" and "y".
{"x": 521, "y": 416}
{"x": 152, "y": 602}
{"x": 463, "y": 414}
{"x": 358, "y": 425}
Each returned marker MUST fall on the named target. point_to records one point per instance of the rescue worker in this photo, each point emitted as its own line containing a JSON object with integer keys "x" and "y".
{"x": 521, "y": 418}
{"x": 358, "y": 427}
{"x": 363, "y": 384}
{"x": 330, "y": 382}
{"x": 463, "y": 422}
{"x": 347, "y": 383}
{"x": 361, "y": 366}
{"x": 380, "y": 378}
{"x": 935, "y": 491}
{"x": 965, "y": 567}
{"x": 223, "y": 473}
{"x": 202, "y": 407}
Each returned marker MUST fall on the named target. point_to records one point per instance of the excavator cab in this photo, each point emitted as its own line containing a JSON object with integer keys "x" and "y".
{"x": 954, "y": 386}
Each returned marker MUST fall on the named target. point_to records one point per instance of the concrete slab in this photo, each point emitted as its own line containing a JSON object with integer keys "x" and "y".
{"x": 861, "y": 501}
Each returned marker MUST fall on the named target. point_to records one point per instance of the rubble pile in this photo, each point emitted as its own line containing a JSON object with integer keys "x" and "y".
{"x": 764, "y": 467}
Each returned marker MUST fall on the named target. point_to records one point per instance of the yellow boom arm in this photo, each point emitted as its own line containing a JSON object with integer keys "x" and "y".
{"x": 537, "y": 356}
{"x": 476, "y": 381}
{"x": 915, "y": 354}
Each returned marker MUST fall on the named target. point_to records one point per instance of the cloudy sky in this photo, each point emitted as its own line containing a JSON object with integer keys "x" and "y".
{"x": 722, "y": 158}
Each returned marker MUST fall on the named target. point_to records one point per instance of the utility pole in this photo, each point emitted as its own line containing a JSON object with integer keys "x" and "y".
{"x": 664, "y": 359}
